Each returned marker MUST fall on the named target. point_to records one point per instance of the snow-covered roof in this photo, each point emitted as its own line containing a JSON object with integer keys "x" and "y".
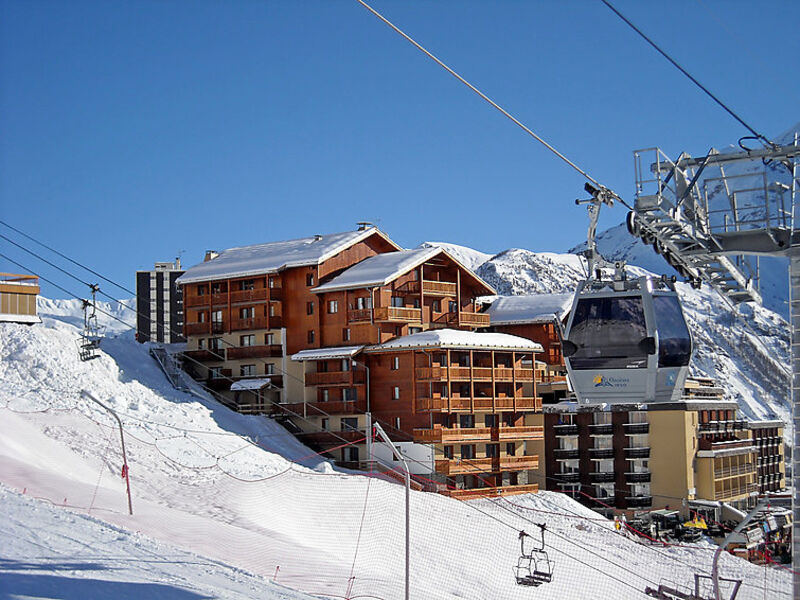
{"x": 378, "y": 270}
{"x": 536, "y": 308}
{"x": 14, "y": 318}
{"x": 328, "y": 353}
{"x": 273, "y": 257}
{"x": 459, "y": 340}
{"x": 249, "y": 384}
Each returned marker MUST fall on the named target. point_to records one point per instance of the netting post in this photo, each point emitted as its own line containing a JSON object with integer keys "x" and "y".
{"x": 382, "y": 434}
{"x": 86, "y": 394}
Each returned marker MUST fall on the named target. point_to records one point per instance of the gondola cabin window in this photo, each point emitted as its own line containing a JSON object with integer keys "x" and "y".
{"x": 608, "y": 332}
{"x": 674, "y": 342}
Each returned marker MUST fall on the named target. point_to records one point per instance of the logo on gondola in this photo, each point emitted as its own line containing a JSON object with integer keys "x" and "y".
{"x": 614, "y": 382}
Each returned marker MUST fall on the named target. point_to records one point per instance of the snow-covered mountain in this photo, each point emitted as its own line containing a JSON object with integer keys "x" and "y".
{"x": 215, "y": 488}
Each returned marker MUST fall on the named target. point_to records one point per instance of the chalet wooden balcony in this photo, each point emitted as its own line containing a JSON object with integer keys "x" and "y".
{"x": 500, "y": 374}
{"x": 219, "y": 299}
{"x": 197, "y": 328}
{"x": 489, "y": 492}
{"x": 196, "y": 300}
{"x": 205, "y": 355}
{"x": 256, "y": 295}
{"x": 439, "y": 288}
{"x": 254, "y": 351}
{"x": 250, "y": 323}
{"x": 485, "y": 404}
{"x": 323, "y": 408}
{"x": 441, "y": 435}
{"x": 462, "y": 319}
{"x": 396, "y": 314}
{"x": 331, "y": 438}
{"x": 495, "y": 464}
{"x": 331, "y": 378}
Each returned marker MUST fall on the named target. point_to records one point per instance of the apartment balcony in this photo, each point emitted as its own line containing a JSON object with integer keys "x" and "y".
{"x": 331, "y": 438}
{"x": 716, "y": 446}
{"x": 640, "y": 477}
{"x": 601, "y": 429}
{"x": 745, "y": 469}
{"x": 523, "y": 432}
{"x": 219, "y": 299}
{"x": 479, "y": 404}
{"x": 196, "y": 301}
{"x": 602, "y": 477}
{"x": 507, "y": 490}
{"x": 440, "y": 435}
{"x": 566, "y": 453}
{"x": 205, "y": 355}
{"x": 197, "y": 328}
{"x": 643, "y": 452}
{"x": 256, "y": 295}
{"x": 396, "y": 314}
{"x": 722, "y": 426}
{"x": 494, "y": 464}
{"x": 573, "y": 477}
{"x": 639, "y": 501}
{"x": 742, "y": 490}
{"x": 331, "y": 378}
{"x": 565, "y": 429}
{"x": 484, "y": 374}
{"x": 323, "y": 408}
{"x": 601, "y": 453}
{"x": 636, "y": 428}
{"x": 461, "y": 319}
{"x": 221, "y": 382}
{"x": 255, "y": 351}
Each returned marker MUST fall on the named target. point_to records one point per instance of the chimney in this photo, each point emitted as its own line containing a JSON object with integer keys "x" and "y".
{"x": 317, "y": 237}
{"x": 210, "y": 255}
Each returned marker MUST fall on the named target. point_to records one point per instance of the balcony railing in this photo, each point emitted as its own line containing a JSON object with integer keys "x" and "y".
{"x": 602, "y": 477}
{"x": 205, "y": 355}
{"x": 637, "y": 452}
{"x": 361, "y": 315}
{"x": 249, "y": 295}
{"x": 197, "y": 328}
{"x": 572, "y": 477}
{"x": 472, "y": 493}
{"x": 396, "y": 314}
{"x": 494, "y": 464}
{"x": 478, "y": 404}
{"x": 196, "y": 300}
{"x": 601, "y": 453}
{"x": 639, "y": 477}
{"x": 219, "y": 298}
{"x": 457, "y": 373}
{"x": 745, "y": 469}
{"x": 706, "y": 444}
{"x": 334, "y": 407}
{"x": 735, "y": 491}
{"x": 464, "y": 434}
{"x": 439, "y": 288}
{"x": 254, "y": 351}
{"x": 639, "y": 501}
{"x": 601, "y": 429}
{"x": 565, "y": 429}
{"x": 335, "y": 378}
{"x": 636, "y": 428}
{"x": 566, "y": 453}
{"x": 249, "y": 323}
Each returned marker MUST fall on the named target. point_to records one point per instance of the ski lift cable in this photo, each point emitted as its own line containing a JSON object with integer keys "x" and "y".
{"x": 687, "y": 74}
{"x": 122, "y": 287}
{"x": 491, "y": 102}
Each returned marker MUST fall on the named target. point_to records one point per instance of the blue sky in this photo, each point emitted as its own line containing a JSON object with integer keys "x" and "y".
{"x": 132, "y": 131}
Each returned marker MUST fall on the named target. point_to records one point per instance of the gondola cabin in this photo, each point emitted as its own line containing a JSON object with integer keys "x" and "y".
{"x": 627, "y": 341}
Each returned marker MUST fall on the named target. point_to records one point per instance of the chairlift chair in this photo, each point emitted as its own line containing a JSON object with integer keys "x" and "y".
{"x": 533, "y": 567}
{"x": 92, "y": 333}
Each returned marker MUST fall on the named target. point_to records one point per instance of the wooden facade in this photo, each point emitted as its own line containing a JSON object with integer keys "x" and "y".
{"x": 18, "y": 295}
{"x": 250, "y": 327}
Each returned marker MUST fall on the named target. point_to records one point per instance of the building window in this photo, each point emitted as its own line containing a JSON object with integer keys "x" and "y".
{"x": 201, "y": 344}
{"x": 216, "y": 316}
{"x": 215, "y": 343}
{"x": 269, "y": 339}
{"x": 346, "y": 334}
{"x": 467, "y": 451}
{"x": 247, "y": 313}
{"x": 309, "y": 279}
{"x": 269, "y": 368}
{"x": 397, "y": 422}
{"x": 363, "y": 302}
{"x": 448, "y": 452}
{"x": 350, "y": 424}
{"x": 395, "y": 363}
{"x": 215, "y": 372}
{"x": 511, "y": 449}
{"x": 490, "y": 420}
{"x": 333, "y": 306}
{"x": 201, "y": 290}
{"x": 452, "y": 306}
{"x": 271, "y": 282}
{"x": 247, "y": 370}
{"x": 397, "y": 302}
{"x": 326, "y": 395}
{"x": 466, "y": 421}
{"x": 346, "y": 365}
{"x": 326, "y": 424}
{"x": 309, "y": 308}
{"x": 396, "y": 392}
{"x": 247, "y": 340}
{"x": 272, "y": 310}
{"x": 492, "y": 450}
{"x": 310, "y": 336}
{"x": 436, "y": 306}
{"x": 247, "y": 284}
{"x": 349, "y": 394}
{"x": 216, "y": 288}
{"x": 351, "y": 454}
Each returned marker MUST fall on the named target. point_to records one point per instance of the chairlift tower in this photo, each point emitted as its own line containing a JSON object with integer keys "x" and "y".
{"x": 709, "y": 216}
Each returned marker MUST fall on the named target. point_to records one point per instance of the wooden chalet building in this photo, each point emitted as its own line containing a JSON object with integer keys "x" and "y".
{"x": 327, "y": 328}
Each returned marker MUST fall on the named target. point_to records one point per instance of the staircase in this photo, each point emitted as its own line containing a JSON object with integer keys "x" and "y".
{"x": 170, "y": 366}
